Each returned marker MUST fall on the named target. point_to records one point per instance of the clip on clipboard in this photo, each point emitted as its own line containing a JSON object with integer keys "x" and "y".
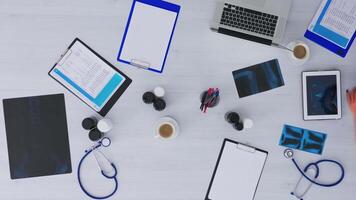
{"x": 148, "y": 34}
{"x": 237, "y": 172}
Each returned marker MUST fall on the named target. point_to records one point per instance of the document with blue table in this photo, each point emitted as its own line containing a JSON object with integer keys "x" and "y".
{"x": 334, "y": 26}
{"x": 90, "y": 77}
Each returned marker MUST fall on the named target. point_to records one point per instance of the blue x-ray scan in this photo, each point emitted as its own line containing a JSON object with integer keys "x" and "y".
{"x": 302, "y": 139}
{"x": 258, "y": 78}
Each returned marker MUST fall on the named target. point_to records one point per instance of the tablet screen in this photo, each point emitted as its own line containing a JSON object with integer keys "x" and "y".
{"x": 322, "y": 95}
{"x": 87, "y": 76}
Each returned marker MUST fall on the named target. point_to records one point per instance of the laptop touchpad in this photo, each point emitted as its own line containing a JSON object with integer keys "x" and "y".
{"x": 258, "y": 3}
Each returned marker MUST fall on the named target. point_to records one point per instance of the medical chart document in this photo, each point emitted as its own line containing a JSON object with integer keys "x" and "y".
{"x": 87, "y": 75}
{"x": 341, "y": 17}
{"x": 335, "y": 21}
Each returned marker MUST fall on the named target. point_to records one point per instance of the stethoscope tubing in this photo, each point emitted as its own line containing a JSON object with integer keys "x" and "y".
{"x": 317, "y": 172}
{"x": 87, "y": 152}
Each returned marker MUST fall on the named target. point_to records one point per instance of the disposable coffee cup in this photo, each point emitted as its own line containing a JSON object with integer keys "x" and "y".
{"x": 300, "y": 52}
{"x": 166, "y": 128}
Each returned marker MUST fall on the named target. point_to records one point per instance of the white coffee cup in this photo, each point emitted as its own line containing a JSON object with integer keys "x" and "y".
{"x": 167, "y": 128}
{"x": 300, "y": 52}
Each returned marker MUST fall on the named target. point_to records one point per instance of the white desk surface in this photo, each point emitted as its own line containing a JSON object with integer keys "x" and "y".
{"x": 34, "y": 33}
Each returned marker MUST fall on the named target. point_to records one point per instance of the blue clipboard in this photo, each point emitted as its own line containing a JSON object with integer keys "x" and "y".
{"x": 148, "y": 34}
{"x": 324, "y": 33}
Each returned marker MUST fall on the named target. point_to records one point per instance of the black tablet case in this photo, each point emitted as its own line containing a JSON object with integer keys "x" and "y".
{"x": 37, "y": 136}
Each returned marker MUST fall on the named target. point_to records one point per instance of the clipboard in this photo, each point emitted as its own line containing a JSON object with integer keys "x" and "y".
{"x": 90, "y": 77}
{"x": 237, "y": 172}
{"x": 324, "y": 35}
{"x": 148, "y": 34}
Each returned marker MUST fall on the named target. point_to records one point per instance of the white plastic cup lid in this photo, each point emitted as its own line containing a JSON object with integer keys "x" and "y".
{"x": 159, "y": 91}
{"x": 248, "y": 123}
{"x": 104, "y": 125}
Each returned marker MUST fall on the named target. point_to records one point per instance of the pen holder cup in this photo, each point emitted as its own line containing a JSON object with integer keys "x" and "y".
{"x": 203, "y": 95}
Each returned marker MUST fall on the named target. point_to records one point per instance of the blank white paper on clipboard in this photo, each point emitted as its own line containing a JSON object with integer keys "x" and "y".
{"x": 237, "y": 172}
{"x": 148, "y": 35}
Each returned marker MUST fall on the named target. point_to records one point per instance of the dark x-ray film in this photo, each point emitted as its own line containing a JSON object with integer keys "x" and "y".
{"x": 303, "y": 139}
{"x": 258, "y": 78}
{"x": 37, "y": 136}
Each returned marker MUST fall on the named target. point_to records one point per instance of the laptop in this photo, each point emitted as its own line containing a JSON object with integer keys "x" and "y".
{"x": 261, "y": 21}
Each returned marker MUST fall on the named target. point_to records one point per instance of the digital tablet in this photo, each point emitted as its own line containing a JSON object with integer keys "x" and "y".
{"x": 321, "y": 95}
{"x": 90, "y": 77}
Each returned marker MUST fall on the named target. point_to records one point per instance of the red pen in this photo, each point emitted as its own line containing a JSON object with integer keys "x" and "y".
{"x": 208, "y": 96}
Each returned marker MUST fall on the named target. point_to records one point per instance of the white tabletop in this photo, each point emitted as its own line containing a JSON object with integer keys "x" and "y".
{"x": 34, "y": 33}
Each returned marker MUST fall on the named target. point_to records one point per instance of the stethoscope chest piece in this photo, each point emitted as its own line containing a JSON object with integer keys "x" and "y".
{"x": 105, "y": 142}
{"x": 288, "y": 153}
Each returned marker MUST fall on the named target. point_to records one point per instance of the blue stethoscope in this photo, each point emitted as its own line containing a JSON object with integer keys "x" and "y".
{"x": 288, "y": 153}
{"x": 105, "y": 142}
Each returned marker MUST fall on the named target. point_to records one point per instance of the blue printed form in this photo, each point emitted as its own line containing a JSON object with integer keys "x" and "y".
{"x": 328, "y": 27}
{"x": 302, "y": 139}
{"x": 334, "y": 25}
{"x": 86, "y": 75}
{"x": 109, "y": 88}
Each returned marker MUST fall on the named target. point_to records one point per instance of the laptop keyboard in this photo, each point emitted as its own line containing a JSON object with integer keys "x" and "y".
{"x": 249, "y": 20}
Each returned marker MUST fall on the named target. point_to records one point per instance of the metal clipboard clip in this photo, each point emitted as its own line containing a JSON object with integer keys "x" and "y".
{"x": 64, "y": 57}
{"x": 246, "y": 148}
{"x": 140, "y": 64}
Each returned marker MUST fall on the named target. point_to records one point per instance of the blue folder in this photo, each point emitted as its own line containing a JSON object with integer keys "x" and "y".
{"x": 320, "y": 33}
{"x": 128, "y": 46}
